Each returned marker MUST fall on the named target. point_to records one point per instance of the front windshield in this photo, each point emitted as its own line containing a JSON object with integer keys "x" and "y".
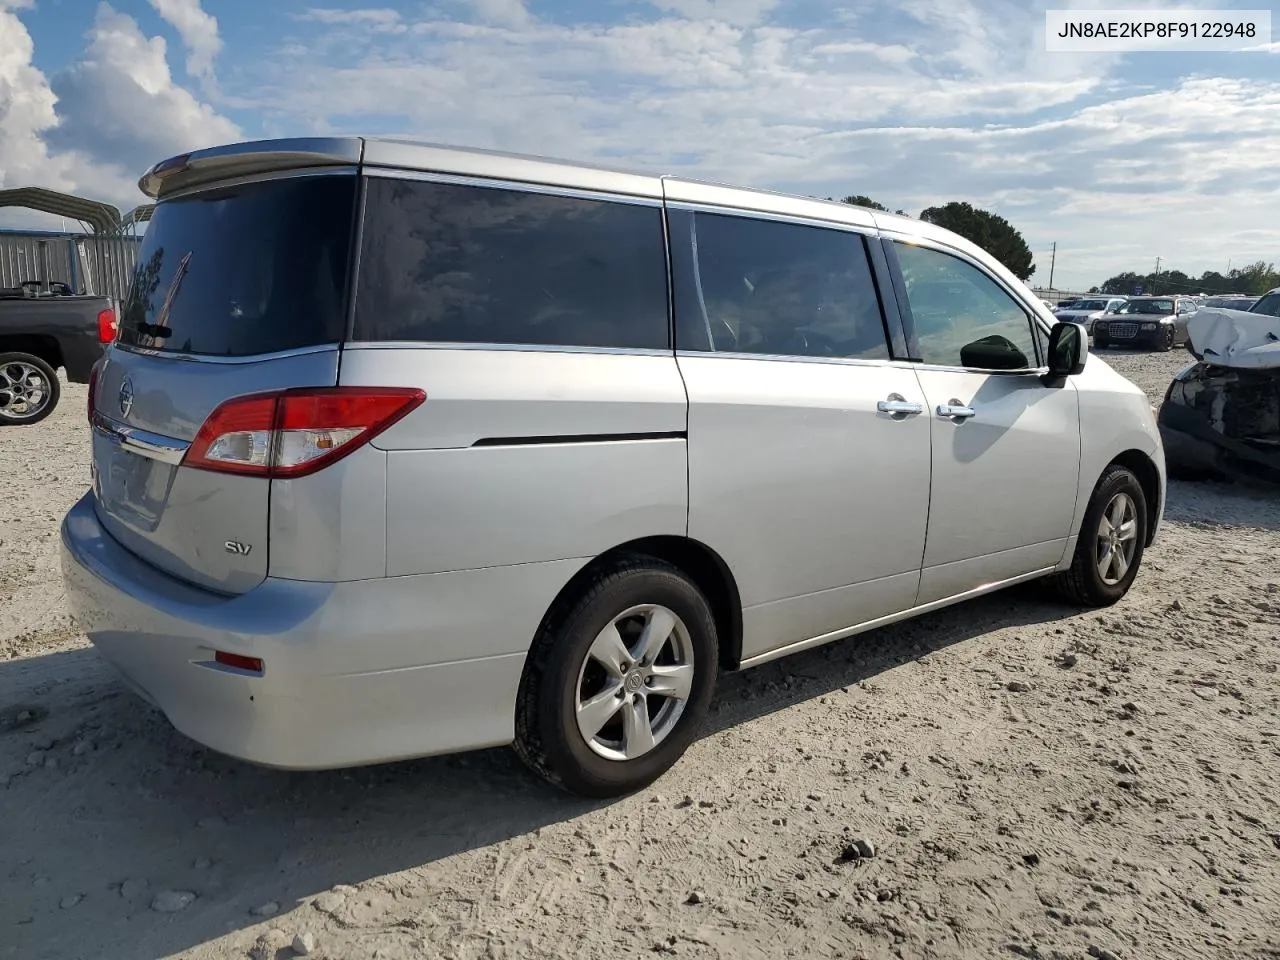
{"x": 1088, "y": 305}
{"x": 1270, "y": 305}
{"x": 1158, "y": 307}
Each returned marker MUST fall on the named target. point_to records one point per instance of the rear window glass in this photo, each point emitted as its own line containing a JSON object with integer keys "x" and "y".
{"x": 251, "y": 269}
{"x": 447, "y": 263}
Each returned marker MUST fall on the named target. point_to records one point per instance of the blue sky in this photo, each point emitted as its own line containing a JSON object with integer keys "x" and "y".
{"x": 1118, "y": 158}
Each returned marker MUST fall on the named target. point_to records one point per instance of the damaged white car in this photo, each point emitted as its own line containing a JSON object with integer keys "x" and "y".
{"x": 1221, "y": 414}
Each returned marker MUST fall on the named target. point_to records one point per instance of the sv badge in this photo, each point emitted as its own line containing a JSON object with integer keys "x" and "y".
{"x": 238, "y": 548}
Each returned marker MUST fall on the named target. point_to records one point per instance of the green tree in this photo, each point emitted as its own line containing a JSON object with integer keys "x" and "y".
{"x": 861, "y": 200}
{"x": 990, "y": 231}
{"x": 1255, "y": 279}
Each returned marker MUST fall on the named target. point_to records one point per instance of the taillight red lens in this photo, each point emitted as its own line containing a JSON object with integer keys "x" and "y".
{"x": 291, "y": 433}
{"x": 107, "y": 325}
{"x": 238, "y": 660}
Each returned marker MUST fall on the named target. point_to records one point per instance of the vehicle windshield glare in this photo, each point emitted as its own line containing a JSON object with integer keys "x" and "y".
{"x": 1151, "y": 307}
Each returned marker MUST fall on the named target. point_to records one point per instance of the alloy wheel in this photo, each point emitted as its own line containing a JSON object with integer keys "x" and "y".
{"x": 1117, "y": 539}
{"x": 635, "y": 682}
{"x": 24, "y": 391}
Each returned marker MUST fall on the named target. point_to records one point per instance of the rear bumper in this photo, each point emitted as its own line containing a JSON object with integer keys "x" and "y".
{"x": 354, "y": 673}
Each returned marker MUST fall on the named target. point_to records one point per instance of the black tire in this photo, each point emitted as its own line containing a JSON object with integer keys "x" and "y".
{"x": 547, "y": 735}
{"x": 1168, "y": 340}
{"x": 53, "y": 385}
{"x": 1101, "y": 343}
{"x": 1082, "y": 583}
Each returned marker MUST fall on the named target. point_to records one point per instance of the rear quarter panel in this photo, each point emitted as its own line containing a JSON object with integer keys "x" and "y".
{"x": 525, "y": 456}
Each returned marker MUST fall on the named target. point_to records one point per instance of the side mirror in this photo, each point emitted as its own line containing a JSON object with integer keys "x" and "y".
{"x": 1067, "y": 350}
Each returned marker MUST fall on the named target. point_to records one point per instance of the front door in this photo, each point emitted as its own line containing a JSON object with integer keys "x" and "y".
{"x": 1006, "y": 446}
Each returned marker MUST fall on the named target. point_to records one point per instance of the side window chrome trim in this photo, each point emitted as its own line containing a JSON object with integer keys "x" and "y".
{"x": 796, "y": 358}
{"x": 503, "y": 347}
{"x": 1033, "y": 318}
{"x": 489, "y": 183}
{"x": 983, "y": 371}
{"x": 709, "y": 208}
{"x": 215, "y": 358}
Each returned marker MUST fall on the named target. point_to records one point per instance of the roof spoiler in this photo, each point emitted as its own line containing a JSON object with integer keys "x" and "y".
{"x": 248, "y": 158}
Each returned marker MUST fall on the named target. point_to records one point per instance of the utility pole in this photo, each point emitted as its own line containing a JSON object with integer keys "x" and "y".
{"x": 1156, "y": 279}
{"x": 1053, "y": 259}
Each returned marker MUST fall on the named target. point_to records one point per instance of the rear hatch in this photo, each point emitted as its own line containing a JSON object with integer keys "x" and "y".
{"x": 239, "y": 290}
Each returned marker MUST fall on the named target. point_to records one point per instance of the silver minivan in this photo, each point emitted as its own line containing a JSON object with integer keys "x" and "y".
{"x": 404, "y": 450}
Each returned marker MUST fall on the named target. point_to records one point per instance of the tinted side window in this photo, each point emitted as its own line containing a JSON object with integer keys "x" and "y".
{"x": 463, "y": 264}
{"x": 1269, "y": 305}
{"x": 250, "y": 269}
{"x": 759, "y": 286}
{"x": 961, "y": 317}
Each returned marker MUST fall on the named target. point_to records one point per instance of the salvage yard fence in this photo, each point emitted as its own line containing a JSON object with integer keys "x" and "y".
{"x": 95, "y": 264}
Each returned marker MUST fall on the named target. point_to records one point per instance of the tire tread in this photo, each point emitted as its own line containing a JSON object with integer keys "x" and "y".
{"x": 528, "y": 743}
{"x": 1075, "y": 584}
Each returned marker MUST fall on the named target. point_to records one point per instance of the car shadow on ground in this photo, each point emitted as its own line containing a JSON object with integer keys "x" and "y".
{"x": 148, "y": 806}
{"x": 1236, "y": 503}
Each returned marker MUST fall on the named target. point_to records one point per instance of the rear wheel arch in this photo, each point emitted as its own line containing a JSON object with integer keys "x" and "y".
{"x": 46, "y": 348}
{"x": 700, "y": 563}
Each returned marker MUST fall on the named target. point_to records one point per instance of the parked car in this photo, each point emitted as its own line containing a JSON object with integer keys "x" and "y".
{"x": 1230, "y": 303}
{"x": 1221, "y": 414}
{"x": 44, "y": 327}
{"x": 1268, "y": 304}
{"x": 594, "y": 438}
{"x": 1153, "y": 322}
{"x": 1087, "y": 310}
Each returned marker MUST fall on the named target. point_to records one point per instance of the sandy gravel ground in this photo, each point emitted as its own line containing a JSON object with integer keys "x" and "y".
{"x": 1029, "y": 781}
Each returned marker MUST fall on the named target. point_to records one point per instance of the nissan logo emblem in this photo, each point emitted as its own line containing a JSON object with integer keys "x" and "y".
{"x": 126, "y": 397}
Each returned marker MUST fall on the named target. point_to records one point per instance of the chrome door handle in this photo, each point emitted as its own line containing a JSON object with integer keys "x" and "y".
{"x": 956, "y": 411}
{"x": 899, "y": 407}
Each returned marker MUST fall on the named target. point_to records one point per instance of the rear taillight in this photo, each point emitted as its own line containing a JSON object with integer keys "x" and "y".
{"x": 107, "y": 325}
{"x": 93, "y": 389}
{"x": 238, "y": 660}
{"x": 291, "y": 433}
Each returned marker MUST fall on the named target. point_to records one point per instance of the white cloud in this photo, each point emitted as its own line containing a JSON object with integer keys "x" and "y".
{"x": 26, "y": 108}
{"x": 741, "y": 13}
{"x": 913, "y": 102}
{"x": 93, "y": 128}
{"x": 508, "y": 13}
{"x": 956, "y": 100}
{"x": 198, "y": 30}
{"x": 119, "y": 107}
{"x": 376, "y": 17}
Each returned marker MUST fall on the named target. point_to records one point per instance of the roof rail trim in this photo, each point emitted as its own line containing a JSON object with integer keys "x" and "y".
{"x": 514, "y": 167}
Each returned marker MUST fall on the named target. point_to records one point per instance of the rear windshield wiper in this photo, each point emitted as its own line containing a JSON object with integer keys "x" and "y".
{"x": 161, "y": 328}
